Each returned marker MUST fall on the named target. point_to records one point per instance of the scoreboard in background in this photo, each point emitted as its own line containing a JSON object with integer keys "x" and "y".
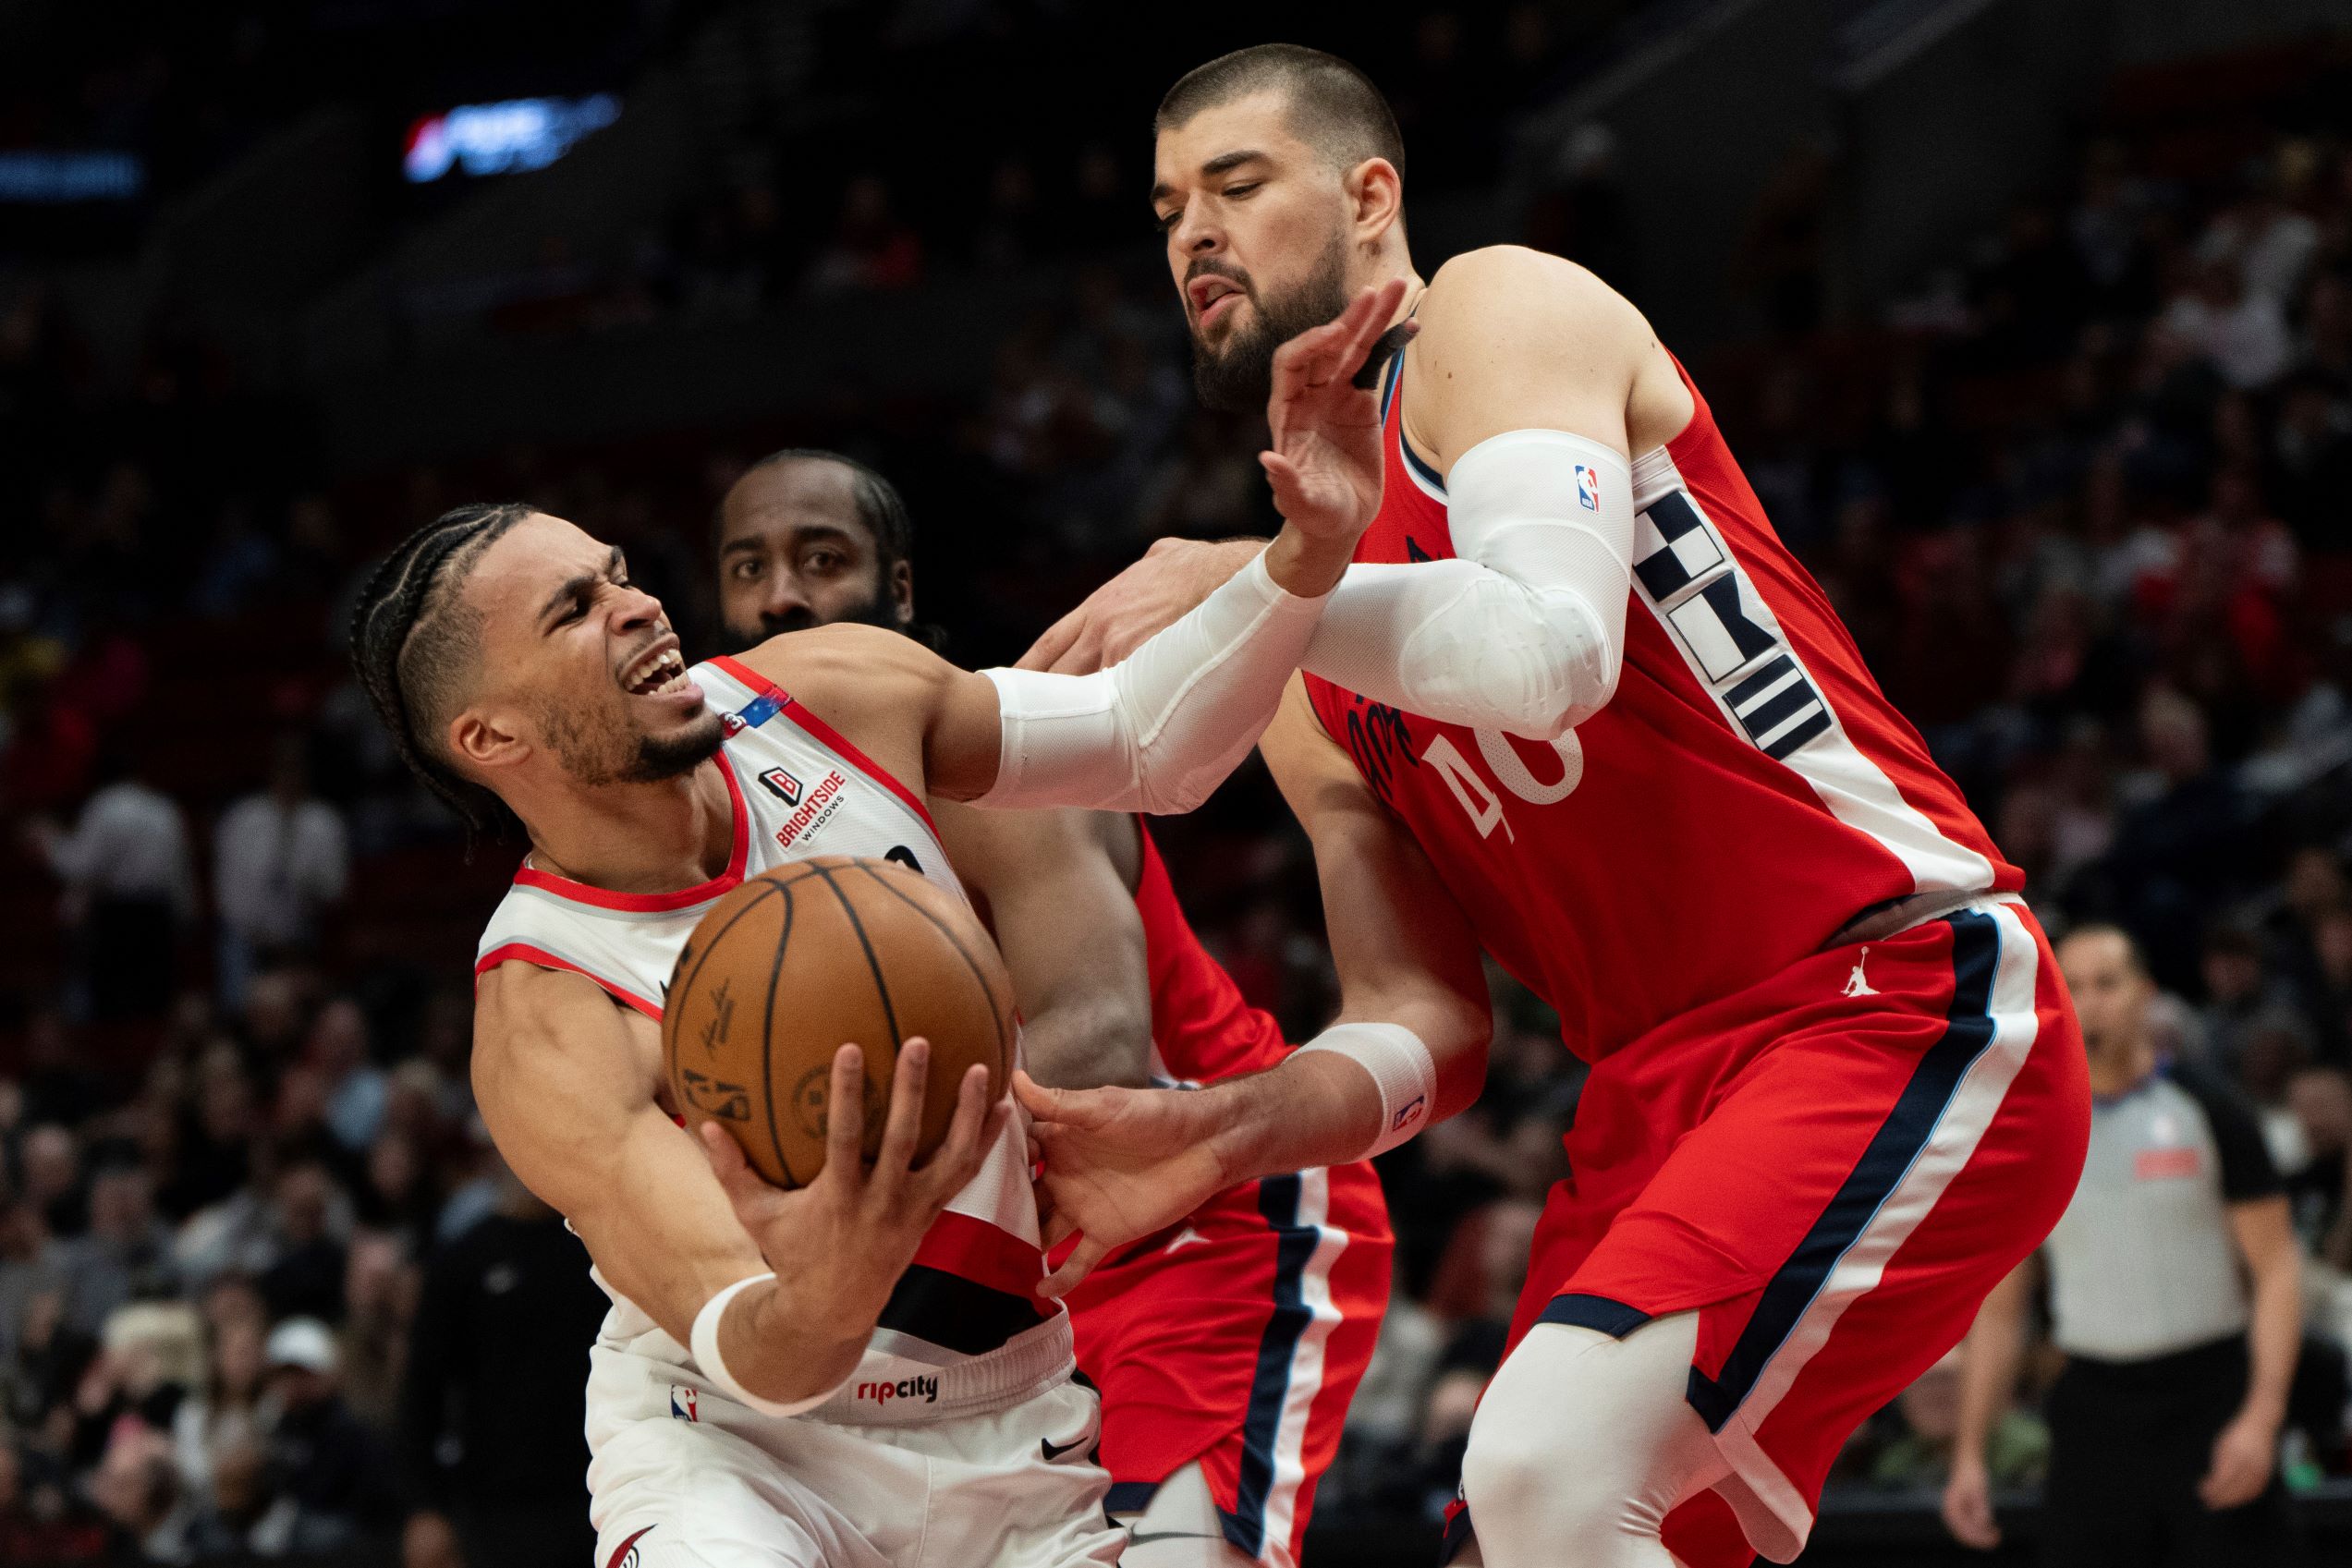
{"x": 511, "y": 137}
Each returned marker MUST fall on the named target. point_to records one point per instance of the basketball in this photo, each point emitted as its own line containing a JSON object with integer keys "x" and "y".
{"x": 798, "y": 962}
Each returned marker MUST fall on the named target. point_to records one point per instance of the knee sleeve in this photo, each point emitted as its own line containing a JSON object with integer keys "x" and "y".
{"x": 1588, "y": 1440}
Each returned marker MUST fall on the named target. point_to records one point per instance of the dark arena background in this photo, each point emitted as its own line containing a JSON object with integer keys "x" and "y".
{"x": 2030, "y": 321}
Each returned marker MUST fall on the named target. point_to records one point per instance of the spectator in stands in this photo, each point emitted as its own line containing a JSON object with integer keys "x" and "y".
{"x": 489, "y": 1413}
{"x": 244, "y": 1517}
{"x": 1919, "y": 1455}
{"x": 32, "y": 1264}
{"x": 870, "y": 250}
{"x": 126, "y": 1254}
{"x": 139, "y": 1491}
{"x": 2236, "y": 991}
{"x": 129, "y": 890}
{"x": 354, "y": 1088}
{"x": 309, "y": 1217}
{"x": 226, "y": 1405}
{"x": 2177, "y": 1296}
{"x": 34, "y": 1524}
{"x": 2320, "y": 1098}
{"x": 279, "y": 865}
{"x": 51, "y": 1162}
{"x": 332, "y": 1467}
{"x": 379, "y": 1301}
{"x": 58, "y": 1084}
{"x": 2242, "y": 333}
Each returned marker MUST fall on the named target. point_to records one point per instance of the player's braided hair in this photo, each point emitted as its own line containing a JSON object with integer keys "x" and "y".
{"x": 413, "y": 643}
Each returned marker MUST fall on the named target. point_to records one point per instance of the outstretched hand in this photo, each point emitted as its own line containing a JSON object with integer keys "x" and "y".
{"x": 1119, "y": 1164}
{"x": 1326, "y": 463}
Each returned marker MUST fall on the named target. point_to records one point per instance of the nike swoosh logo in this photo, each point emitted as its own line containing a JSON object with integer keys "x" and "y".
{"x": 1052, "y": 1454}
{"x": 1136, "y": 1539}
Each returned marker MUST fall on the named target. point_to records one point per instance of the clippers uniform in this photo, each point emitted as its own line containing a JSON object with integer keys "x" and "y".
{"x": 1837, "y": 1092}
{"x": 1237, "y": 1337}
{"x": 962, "y": 1437}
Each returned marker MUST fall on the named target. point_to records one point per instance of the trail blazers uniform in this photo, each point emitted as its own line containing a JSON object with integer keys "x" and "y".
{"x": 1237, "y": 1337}
{"x": 1837, "y": 1092}
{"x": 963, "y": 1437}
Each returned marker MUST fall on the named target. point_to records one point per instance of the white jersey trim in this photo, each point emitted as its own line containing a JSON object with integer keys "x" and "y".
{"x": 1687, "y": 572}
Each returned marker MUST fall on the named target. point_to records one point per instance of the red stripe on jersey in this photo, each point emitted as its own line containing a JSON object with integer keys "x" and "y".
{"x": 1205, "y": 1028}
{"x": 522, "y": 952}
{"x": 988, "y": 1254}
{"x": 661, "y": 903}
{"x": 798, "y": 711}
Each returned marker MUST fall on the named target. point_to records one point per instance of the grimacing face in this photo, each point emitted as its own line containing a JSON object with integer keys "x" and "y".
{"x": 2111, "y": 994}
{"x": 796, "y": 553}
{"x": 1258, "y": 236}
{"x": 579, "y": 663}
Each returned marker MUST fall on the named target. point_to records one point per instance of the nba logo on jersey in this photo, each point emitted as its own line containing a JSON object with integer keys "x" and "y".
{"x": 682, "y": 1402}
{"x": 1587, "y": 487}
{"x": 783, "y": 785}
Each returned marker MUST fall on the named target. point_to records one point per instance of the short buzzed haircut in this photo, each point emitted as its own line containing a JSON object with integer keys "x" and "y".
{"x": 1335, "y": 108}
{"x": 415, "y": 645}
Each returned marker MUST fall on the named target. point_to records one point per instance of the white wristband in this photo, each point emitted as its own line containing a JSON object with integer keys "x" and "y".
{"x": 1401, "y": 1068}
{"x": 705, "y": 1349}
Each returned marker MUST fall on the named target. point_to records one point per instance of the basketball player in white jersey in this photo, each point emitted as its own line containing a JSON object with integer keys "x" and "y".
{"x": 860, "y": 1372}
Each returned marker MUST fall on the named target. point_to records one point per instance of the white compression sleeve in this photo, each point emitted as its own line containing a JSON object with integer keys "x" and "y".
{"x": 1161, "y": 729}
{"x": 1524, "y": 630}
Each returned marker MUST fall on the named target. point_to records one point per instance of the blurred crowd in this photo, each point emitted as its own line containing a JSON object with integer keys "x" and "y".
{"x": 2084, "y": 499}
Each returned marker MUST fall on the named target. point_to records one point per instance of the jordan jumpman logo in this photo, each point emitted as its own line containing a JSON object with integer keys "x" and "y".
{"x": 1856, "y": 985}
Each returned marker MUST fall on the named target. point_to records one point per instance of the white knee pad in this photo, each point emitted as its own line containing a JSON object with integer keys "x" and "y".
{"x": 1588, "y": 1440}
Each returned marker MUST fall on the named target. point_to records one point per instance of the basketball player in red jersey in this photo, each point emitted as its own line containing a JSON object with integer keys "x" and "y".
{"x": 1229, "y": 1347}
{"x": 1837, "y": 1092}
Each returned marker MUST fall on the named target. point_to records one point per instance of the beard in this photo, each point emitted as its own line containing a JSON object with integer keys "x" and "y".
{"x": 877, "y": 609}
{"x": 1239, "y": 377}
{"x": 594, "y": 758}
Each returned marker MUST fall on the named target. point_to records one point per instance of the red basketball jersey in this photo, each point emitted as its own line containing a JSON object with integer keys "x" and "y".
{"x": 1747, "y": 795}
{"x": 1201, "y": 1027}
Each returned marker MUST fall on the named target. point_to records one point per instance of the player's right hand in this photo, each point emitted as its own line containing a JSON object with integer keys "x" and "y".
{"x": 839, "y": 1244}
{"x": 1967, "y": 1504}
{"x": 1119, "y": 1164}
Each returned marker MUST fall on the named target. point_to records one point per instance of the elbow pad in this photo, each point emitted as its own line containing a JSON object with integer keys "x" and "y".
{"x": 1524, "y": 630}
{"x": 1161, "y": 729}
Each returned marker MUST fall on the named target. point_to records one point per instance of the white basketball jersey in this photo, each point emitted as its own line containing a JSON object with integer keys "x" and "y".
{"x": 965, "y": 1324}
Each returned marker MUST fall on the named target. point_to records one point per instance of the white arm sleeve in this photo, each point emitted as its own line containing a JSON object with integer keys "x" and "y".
{"x": 1524, "y": 630}
{"x": 1161, "y": 729}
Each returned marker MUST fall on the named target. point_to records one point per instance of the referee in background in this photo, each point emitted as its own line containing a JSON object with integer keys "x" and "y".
{"x": 2175, "y": 1294}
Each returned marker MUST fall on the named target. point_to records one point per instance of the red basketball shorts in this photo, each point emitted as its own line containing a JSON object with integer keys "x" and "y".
{"x": 1237, "y": 1339}
{"x": 1833, "y": 1167}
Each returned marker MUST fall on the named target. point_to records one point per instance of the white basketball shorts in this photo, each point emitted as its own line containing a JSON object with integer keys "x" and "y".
{"x": 682, "y": 1478}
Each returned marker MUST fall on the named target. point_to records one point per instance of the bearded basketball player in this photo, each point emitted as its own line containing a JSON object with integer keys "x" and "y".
{"x": 1837, "y": 1092}
{"x": 1226, "y": 1348}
